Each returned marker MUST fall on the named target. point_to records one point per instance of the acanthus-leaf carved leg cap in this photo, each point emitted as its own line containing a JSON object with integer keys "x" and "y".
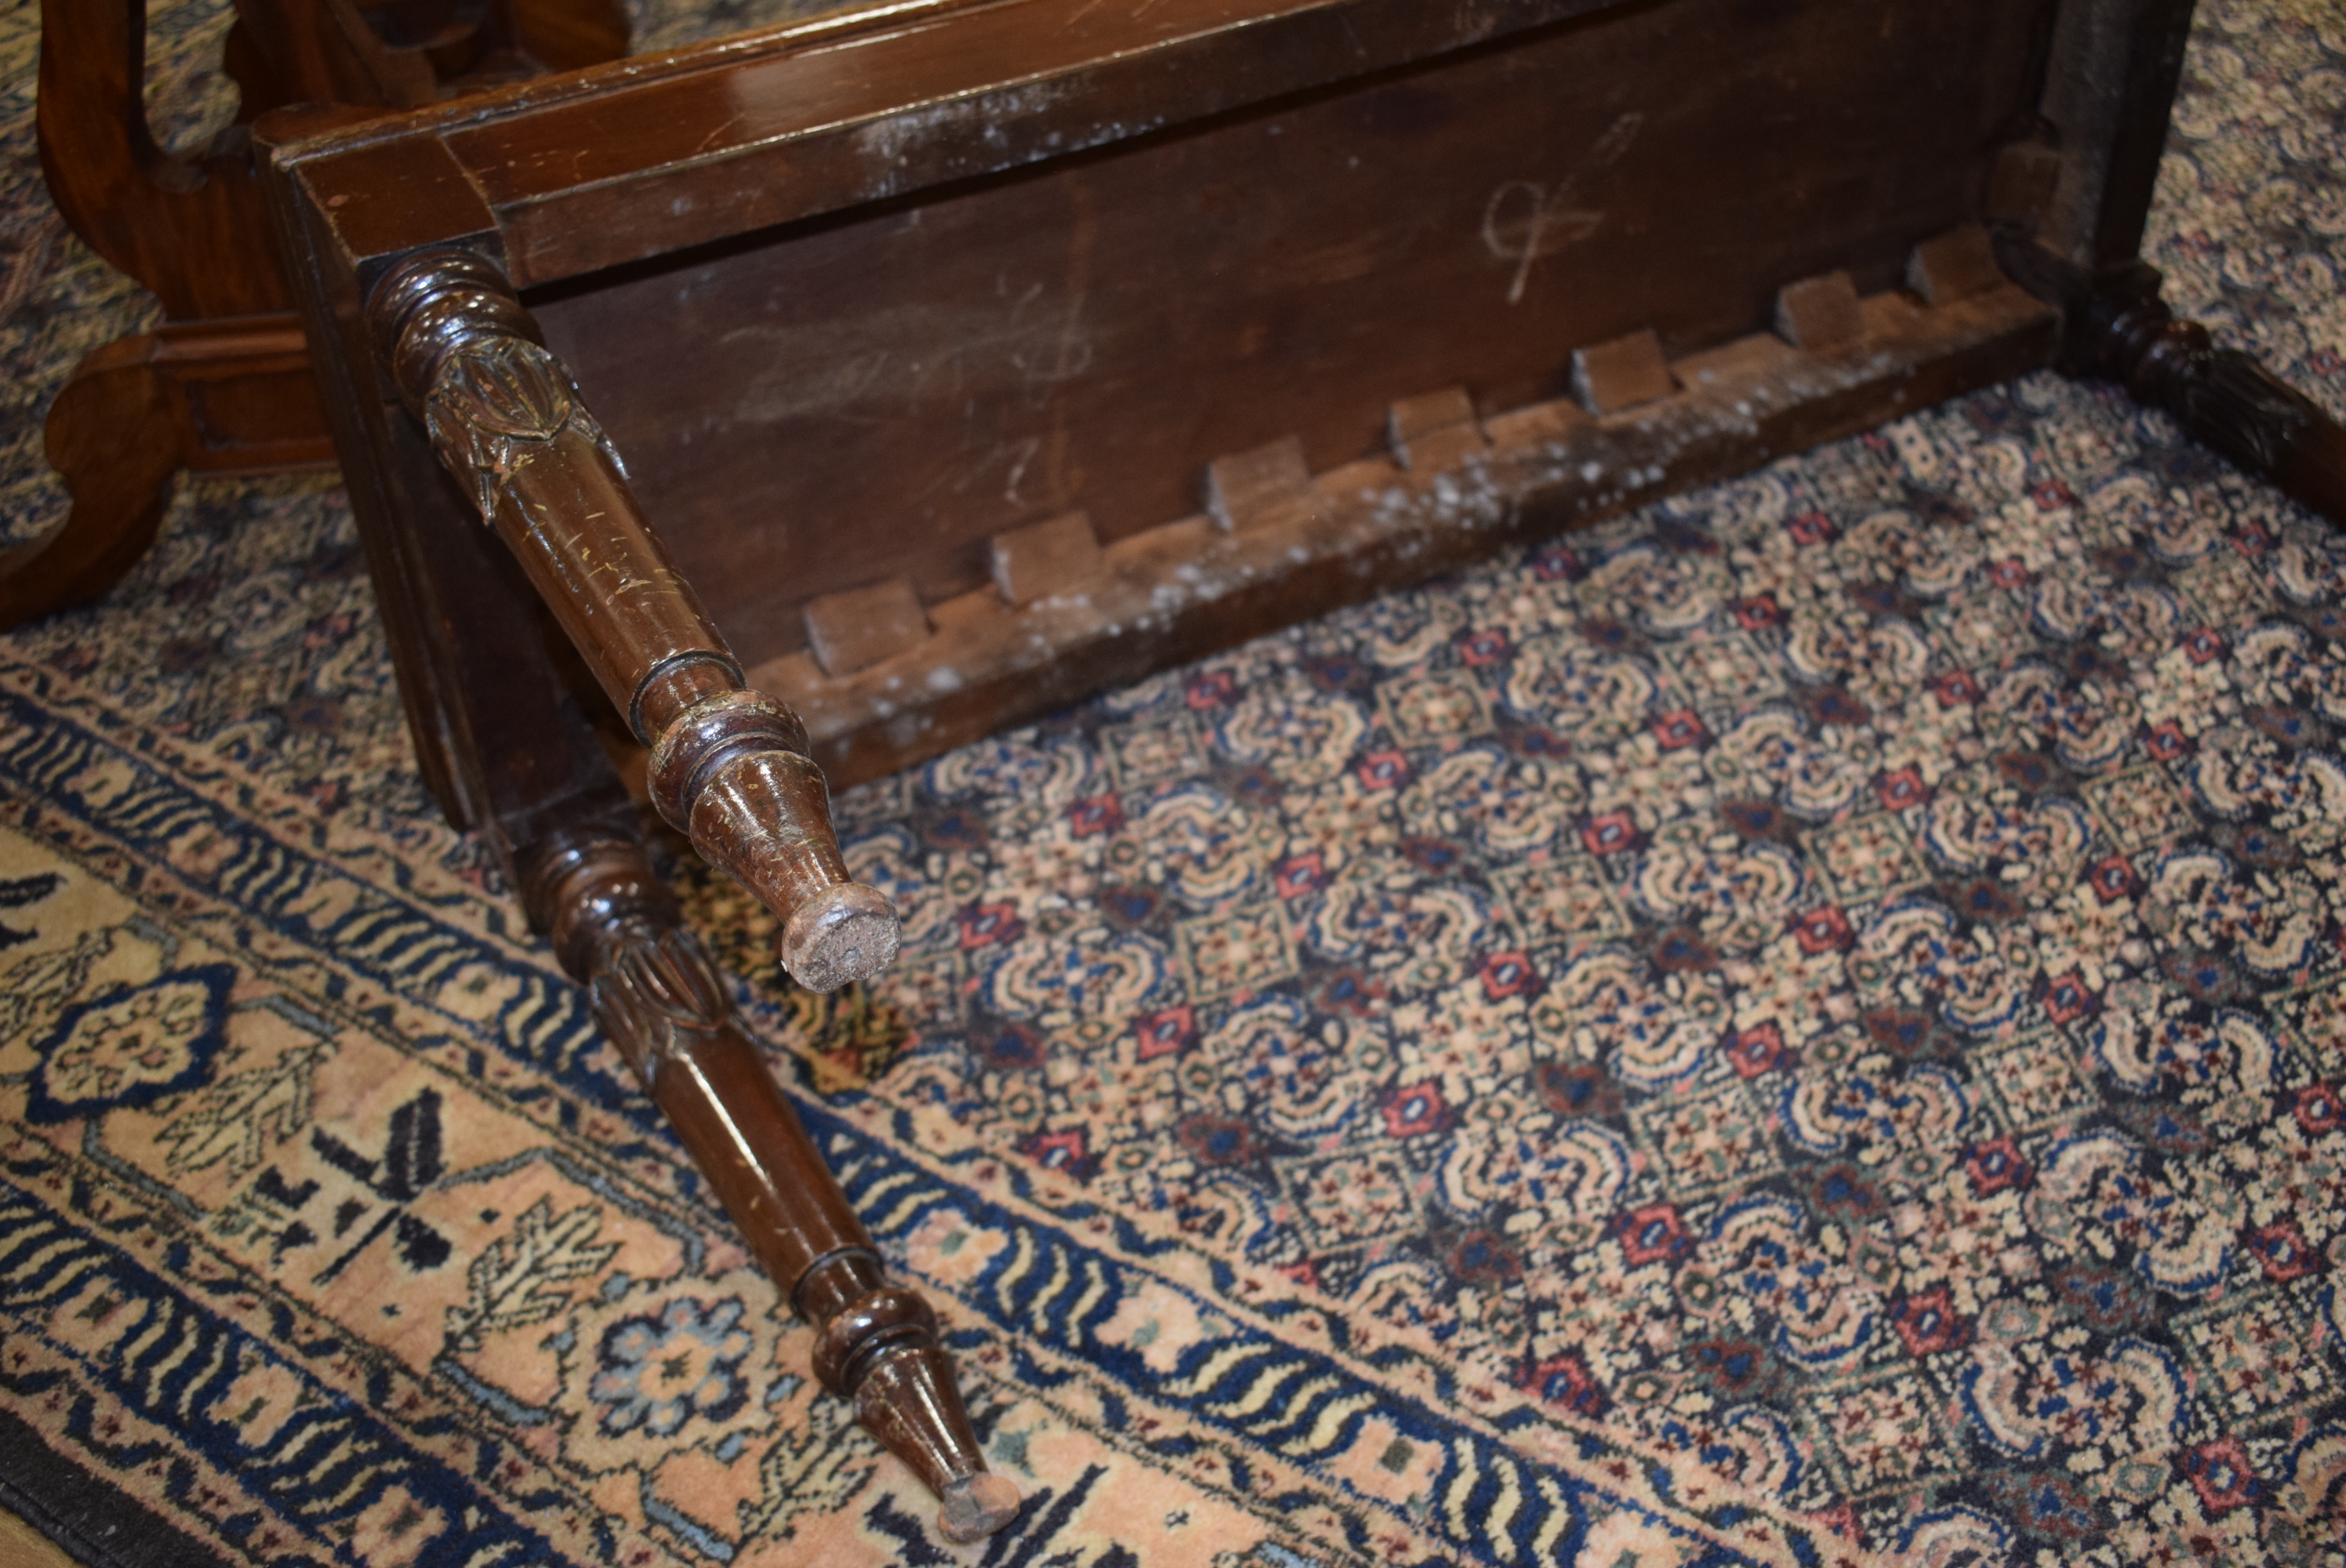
{"x": 842, "y": 934}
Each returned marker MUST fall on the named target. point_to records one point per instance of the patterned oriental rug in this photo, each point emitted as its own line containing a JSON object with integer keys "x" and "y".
{"x": 1806, "y": 1027}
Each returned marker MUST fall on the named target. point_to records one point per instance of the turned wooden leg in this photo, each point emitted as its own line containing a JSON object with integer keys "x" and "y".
{"x": 524, "y": 764}
{"x": 730, "y": 765}
{"x": 2221, "y": 397}
{"x": 614, "y": 927}
{"x": 2114, "y": 327}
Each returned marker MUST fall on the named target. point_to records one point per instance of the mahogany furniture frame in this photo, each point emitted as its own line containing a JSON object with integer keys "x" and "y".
{"x": 1034, "y": 344}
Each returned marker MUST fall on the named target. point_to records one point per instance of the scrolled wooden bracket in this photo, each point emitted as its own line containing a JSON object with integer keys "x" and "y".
{"x": 729, "y": 767}
{"x": 662, "y": 1002}
{"x": 2114, "y": 327}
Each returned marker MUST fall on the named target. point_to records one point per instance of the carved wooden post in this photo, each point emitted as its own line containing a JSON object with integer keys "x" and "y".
{"x": 2220, "y": 397}
{"x": 730, "y": 765}
{"x": 614, "y": 924}
{"x": 2116, "y": 328}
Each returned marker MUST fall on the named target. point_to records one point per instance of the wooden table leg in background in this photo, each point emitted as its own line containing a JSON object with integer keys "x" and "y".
{"x": 231, "y": 396}
{"x": 223, "y": 385}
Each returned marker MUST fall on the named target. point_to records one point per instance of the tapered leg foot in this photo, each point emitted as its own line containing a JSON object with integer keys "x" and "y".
{"x": 908, "y": 1400}
{"x": 976, "y": 1506}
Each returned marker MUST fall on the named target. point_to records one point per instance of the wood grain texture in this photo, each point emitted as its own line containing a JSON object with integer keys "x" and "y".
{"x": 1092, "y": 333}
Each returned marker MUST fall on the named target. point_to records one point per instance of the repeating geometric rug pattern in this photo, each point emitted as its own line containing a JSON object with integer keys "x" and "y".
{"x": 1805, "y": 1026}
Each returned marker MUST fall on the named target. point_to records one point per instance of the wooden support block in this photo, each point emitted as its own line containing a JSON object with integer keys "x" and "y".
{"x": 962, "y": 611}
{"x": 1047, "y": 558}
{"x": 1955, "y": 266}
{"x": 790, "y": 677}
{"x": 858, "y": 628}
{"x": 1726, "y": 369}
{"x": 1435, "y": 431}
{"x": 1537, "y": 425}
{"x": 1623, "y": 374}
{"x": 1173, "y": 592}
{"x": 1268, "y": 485}
{"x": 1820, "y": 315}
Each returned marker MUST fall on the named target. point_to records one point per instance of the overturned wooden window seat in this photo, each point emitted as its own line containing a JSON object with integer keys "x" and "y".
{"x": 843, "y": 392}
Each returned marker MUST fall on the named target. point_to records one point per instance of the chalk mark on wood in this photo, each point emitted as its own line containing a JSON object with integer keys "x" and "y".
{"x": 1524, "y": 220}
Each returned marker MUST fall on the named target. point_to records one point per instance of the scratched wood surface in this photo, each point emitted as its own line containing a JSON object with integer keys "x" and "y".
{"x": 825, "y": 406}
